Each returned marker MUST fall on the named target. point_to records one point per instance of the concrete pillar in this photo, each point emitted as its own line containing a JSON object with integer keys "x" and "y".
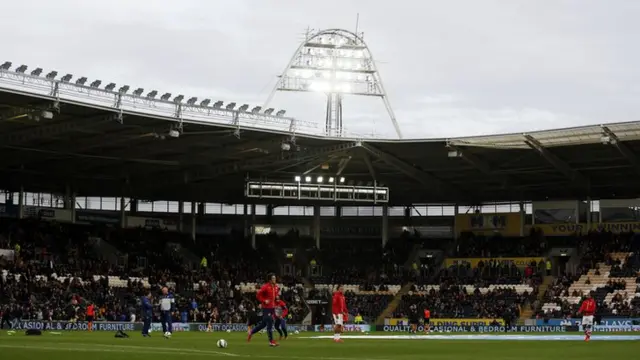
{"x": 181, "y": 216}
{"x": 588, "y": 213}
{"x": 523, "y": 215}
{"x": 123, "y": 212}
{"x": 21, "y": 203}
{"x": 385, "y": 224}
{"x": 194, "y": 216}
{"x": 253, "y": 226}
{"x": 316, "y": 225}
{"x": 72, "y": 209}
{"x": 245, "y": 220}
{"x": 456, "y": 211}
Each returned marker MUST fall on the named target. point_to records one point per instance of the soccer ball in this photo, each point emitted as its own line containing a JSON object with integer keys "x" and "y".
{"x": 222, "y": 343}
{"x": 167, "y": 335}
{"x": 229, "y": 330}
{"x": 296, "y": 332}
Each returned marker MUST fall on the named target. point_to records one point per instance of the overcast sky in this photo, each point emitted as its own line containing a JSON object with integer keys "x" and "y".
{"x": 450, "y": 68}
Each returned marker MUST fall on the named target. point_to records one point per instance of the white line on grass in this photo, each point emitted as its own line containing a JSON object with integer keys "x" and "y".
{"x": 164, "y": 350}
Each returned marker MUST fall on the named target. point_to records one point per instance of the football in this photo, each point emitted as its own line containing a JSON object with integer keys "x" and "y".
{"x": 167, "y": 335}
{"x": 222, "y": 343}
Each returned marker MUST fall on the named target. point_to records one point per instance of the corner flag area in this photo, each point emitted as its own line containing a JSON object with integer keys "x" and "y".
{"x": 99, "y": 346}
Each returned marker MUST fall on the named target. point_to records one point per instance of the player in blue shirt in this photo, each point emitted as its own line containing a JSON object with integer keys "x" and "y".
{"x": 147, "y": 314}
{"x": 167, "y": 304}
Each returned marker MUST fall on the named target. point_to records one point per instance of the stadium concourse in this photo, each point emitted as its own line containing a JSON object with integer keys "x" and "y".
{"x": 106, "y": 200}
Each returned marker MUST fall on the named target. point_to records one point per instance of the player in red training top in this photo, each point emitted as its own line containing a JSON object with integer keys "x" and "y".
{"x": 280, "y": 316}
{"x": 339, "y": 311}
{"x": 588, "y": 310}
{"x": 267, "y": 297}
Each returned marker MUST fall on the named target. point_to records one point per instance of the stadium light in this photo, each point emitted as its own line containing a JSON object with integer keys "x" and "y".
{"x": 205, "y": 102}
{"x": 218, "y": 104}
{"x": 95, "y": 84}
{"x": 6, "y": 65}
{"x": 36, "y": 72}
{"x": 152, "y": 94}
{"x": 81, "y": 81}
{"x": 319, "y": 179}
{"x": 297, "y": 178}
{"x": 165, "y": 96}
{"x": 281, "y": 113}
{"x": 21, "y": 69}
{"x": 307, "y": 179}
{"x": 66, "y": 78}
{"x": 52, "y": 75}
{"x": 138, "y": 91}
{"x": 342, "y": 180}
{"x": 192, "y": 101}
{"x": 178, "y": 99}
{"x": 230, "y": 106}
{"x": 110, "y": 87}
{"x": 243, "y": 108}
{"x": 256, "y": 109}
{"x": 269, "y": 111}
{"x": 331, "y": 179}
{"x": 124, "y": 89}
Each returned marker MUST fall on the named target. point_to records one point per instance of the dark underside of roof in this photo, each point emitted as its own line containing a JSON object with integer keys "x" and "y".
{"x": 88, "y": 151}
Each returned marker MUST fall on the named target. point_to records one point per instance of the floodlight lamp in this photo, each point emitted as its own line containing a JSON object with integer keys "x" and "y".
{"x": 165, "y": 96}
{"x": 138, "y": 91}
{"x": 256, "y": 109}
{"x": 6, "y": 65}
{"x": 331, "y": 179}
{"x": 319, "y": 179}
{"x": 243, "y": 108}
{"x": 205, "y": 102}
{"x": 124, "y": 89}
{"x": 110, "y": 87}
{"x": 36, "y": 72}
{"x": 21, "y": 69}
{"x": 192, "y": 100}
{"x": 307, "y": 179}
{"x": 178, "y": 99}
{"x": 342, "y": 179}
{"x": 81, "y": 81}
{"x": 269, "y": 111}
{"x": 230, "y": 106}
{"x": 297, "y": 178}
{"x": 218, "y": 104}
{"x": 281, "y": 113}
{"x": 96, "y": 84}
{"x": 52, "y": 75}
{"x": 152, "y": 94}
{"x": 66, "y": 78}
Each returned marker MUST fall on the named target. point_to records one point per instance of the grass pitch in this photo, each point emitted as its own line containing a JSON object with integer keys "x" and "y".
{"x": 103, "y": 346}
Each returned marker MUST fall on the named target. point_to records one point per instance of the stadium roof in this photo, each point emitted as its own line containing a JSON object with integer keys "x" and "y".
{"x": 86, "y": 147}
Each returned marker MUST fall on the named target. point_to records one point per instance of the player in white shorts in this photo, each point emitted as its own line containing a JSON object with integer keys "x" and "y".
{"x": 588, "y": 310}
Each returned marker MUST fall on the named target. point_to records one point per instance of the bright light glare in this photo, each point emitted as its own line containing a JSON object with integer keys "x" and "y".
{"x": 323, "y": 86}
{"x": 297, "y": 178}
{"x": 319, "y": 179}
{"x": 331, "y": 179}
{"x": 307, "y": 179}
{"x": 341, "y": 179}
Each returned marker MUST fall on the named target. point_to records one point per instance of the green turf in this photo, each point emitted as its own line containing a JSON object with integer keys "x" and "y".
{"x": 103, "y": 346}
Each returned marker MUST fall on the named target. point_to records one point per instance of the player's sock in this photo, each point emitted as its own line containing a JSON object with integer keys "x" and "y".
{"x": 284, "y": 330}
{"x": 90, "y": 326}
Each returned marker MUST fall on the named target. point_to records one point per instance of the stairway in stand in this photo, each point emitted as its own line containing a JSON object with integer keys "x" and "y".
{"x": 393, "y": 305}
{"x": 527, "y": 312}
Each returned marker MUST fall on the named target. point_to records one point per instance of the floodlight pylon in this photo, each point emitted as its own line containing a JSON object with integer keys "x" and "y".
{"x": 336, "y": 62}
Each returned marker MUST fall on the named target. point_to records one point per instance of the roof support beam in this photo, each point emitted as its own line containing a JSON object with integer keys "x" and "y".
{"x": 421, "y": 176}
{"x": 556, "y": 162}
{"x": 481, "y": 165}
{"x": 367, "y": 161}
{"x": 622, "y": 148}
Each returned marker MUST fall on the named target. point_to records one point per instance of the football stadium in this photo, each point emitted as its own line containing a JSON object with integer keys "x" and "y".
{"x": 138, "y": 223}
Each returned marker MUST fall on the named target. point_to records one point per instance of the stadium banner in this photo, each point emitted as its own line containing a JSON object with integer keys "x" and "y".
{"x": 619, "y": 321}
{"x": 614, "y": 328}
{"x": 75, "y": 326}
{"x": 98, "y": 217}
{"x": 557, "y": 322}
{"x": 151, "y": 223}
{"x": 240, "y": 327}
{"x": 569, "y": 229}
{"x": 345, "y": 328}
{"x": 176, "y": 326}
{"x": 474, "y": 328}
{"x": 520, "y": 262}
{"x": 48, "y": 214}
{"x": 446, "y": 322}
{"x": 506, "y": 224}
